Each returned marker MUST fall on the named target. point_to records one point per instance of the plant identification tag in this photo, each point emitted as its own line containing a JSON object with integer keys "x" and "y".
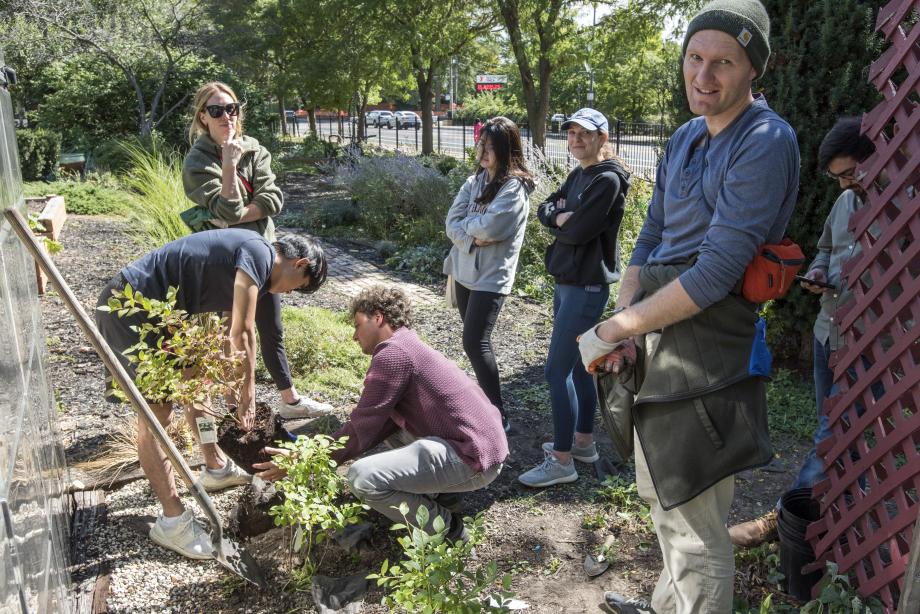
{"x": 207, "y": 429}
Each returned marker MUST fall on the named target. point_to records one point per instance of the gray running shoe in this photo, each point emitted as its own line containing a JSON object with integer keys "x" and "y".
{"x": 622, "y": 605}
{"x": 549, "y": 472}
{"x": 588, "y": 454}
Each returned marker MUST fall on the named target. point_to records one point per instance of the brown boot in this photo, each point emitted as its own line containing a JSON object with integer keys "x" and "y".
{"x": 754, "y": 532}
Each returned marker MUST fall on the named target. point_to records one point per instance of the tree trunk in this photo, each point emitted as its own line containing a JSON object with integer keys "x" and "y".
{"x": 425, "y": 102}
{"x": 362, "y": 129}
{"x": 538, "y": 123}
{"x": 284, "y": 130}
{"x": 311, "y": 113}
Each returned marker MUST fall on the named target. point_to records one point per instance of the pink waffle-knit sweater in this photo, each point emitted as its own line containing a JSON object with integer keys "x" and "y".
{"x": 412, "y": 386}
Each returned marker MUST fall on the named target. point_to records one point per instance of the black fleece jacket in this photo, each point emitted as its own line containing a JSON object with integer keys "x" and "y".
{"x": 585, "y": 250}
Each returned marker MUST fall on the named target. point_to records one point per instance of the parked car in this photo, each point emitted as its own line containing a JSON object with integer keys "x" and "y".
{"x": 370, "y": 118}
{"x": 404, "y": 119}
{"x": 557, "y": 118}
{"x": 382, "y": 118}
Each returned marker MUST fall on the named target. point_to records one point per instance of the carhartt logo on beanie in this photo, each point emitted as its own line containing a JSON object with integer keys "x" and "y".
{"x": 744, "y": 20}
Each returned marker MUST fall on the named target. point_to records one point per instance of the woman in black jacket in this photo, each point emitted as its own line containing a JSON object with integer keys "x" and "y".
{"x": 584, "y": 215}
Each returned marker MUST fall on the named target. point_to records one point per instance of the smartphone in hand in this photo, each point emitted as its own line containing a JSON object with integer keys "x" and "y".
{"x": 814, "y": 282}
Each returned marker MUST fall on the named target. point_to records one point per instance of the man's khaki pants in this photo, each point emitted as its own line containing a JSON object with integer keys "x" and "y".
{"x": 699, "y": 566}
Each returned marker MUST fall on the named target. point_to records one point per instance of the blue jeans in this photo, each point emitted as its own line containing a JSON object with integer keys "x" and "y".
{"x": 571, "y": 388}
{"x": 812, "y": 471}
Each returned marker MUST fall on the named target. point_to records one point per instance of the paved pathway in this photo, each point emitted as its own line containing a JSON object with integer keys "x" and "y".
{"x": 349, "y": 275}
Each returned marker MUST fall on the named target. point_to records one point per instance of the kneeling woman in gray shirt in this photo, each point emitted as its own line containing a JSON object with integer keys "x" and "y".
{"x": 486, "y": 226}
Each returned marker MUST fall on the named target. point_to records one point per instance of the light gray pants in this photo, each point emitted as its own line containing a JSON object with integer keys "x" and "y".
{"x": 414, "y": 473}
{"x": 699, "y": 566}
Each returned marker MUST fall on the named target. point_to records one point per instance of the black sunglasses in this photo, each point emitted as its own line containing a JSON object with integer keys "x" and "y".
{"x": 216, "y": 110}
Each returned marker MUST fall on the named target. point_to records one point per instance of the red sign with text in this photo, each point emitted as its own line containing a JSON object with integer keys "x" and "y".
{"x": 482, "y": 87}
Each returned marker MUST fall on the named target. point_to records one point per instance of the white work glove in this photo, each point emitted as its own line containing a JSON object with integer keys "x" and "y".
{"x": 594, "y": 350}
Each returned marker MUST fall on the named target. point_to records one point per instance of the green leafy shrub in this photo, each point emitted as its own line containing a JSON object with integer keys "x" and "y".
{"x": 39, "y": 151}
{"x": 156, "y": 178}
{"x": 435, "y": 575}
{"x": 422, "y": 262}
{"x": 791, "y": 405}
{"x": 443, "y": 163}
{"x": 98, "y": 195}
{"x": 188, "y": 364}
{"x": 311, "y": 490}
{"x": 837, "y": 596}
{"x": 314, "y": 147}
{"x": 486, "y": 105}
{"x": 322, "y": 357}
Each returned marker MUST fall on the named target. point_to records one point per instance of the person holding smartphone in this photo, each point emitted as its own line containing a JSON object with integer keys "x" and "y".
{"x": 839, "y": 156}
{"x": 228, "y": 176}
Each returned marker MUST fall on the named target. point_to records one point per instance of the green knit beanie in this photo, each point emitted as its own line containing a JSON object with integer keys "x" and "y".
{"x": 744, "y": 20}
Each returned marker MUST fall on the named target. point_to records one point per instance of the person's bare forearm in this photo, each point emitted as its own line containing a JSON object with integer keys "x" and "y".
{"x": 251, "y": 213}
{"x": 244, "y": 341}
{"x": 629, "y": 285}
{"x": 229, "y": 188}
{"x": 669, "y": 305}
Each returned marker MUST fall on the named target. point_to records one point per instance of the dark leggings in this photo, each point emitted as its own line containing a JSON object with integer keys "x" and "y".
{"x": 479, "y": 310}
{"x": 271, "y": 339}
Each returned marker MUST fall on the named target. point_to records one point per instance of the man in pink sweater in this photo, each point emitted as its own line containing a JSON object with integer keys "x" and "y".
{"x": 444, "y": 434}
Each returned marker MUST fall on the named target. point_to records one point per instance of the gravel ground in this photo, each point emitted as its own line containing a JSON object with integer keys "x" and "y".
{"x": 539, "y": 535}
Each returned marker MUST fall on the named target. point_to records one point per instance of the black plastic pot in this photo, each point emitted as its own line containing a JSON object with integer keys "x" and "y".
{"x": 797, "y": 511}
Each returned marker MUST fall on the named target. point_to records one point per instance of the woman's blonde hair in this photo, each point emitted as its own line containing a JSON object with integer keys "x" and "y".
{"x": 199, "y": 102}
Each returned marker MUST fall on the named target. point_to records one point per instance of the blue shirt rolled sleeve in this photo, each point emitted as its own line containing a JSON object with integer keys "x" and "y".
{"x": 752, "y": 208}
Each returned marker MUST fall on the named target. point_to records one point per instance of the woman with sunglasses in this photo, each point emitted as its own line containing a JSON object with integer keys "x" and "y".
{"x": 229, "y": 178}
{"x": 486, "y": 226}
{"x": 584, "y": 216}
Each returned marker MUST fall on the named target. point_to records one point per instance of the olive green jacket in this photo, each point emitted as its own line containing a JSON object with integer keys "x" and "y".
{"x": 202, "y": 174}
{"x": 698, "y": 412}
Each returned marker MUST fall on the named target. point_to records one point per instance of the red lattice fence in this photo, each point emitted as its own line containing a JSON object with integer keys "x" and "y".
{"x": 869, "y": 500}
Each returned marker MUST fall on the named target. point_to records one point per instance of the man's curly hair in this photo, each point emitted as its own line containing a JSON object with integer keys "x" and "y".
{"x": 392, "y": 303}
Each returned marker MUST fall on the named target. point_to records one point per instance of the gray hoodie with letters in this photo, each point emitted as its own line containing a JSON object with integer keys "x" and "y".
{"x": 488, "y": 268}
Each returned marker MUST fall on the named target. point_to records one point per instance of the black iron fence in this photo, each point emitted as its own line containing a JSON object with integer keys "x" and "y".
{"x": 640, "y": 144}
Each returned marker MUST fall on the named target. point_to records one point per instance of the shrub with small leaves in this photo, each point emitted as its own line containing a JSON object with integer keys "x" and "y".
{"x": 312, "y": 491}
{"x": 187, "y": 364}
{"x": 837, "y": 596}
{"x": 435, "y": 575}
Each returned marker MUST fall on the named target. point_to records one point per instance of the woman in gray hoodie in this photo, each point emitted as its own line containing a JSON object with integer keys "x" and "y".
{"x": 486, "y": 225}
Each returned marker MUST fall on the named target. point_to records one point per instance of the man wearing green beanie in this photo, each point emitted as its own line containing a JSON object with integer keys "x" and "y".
{"x": 727, "y": 184}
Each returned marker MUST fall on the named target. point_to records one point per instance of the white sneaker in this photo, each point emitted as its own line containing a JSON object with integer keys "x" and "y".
{"x": 189, "y": 537}
{"x": 230, "y": 475}
{"x": 549, "y": 472}
{"x": 304, "y": 408}
{"x": 588, "y": 454}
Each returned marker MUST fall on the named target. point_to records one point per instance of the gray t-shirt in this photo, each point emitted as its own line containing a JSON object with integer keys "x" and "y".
{"x": 203, "y": 267}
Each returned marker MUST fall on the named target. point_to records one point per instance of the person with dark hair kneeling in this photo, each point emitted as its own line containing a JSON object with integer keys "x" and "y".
{"x": 445, "y": 436}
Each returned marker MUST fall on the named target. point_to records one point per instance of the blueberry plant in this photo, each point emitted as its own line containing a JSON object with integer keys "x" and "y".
{"x": 189, "y": 364}
{"x": 435, "y": 574}
{"x": 312, "y": 490}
